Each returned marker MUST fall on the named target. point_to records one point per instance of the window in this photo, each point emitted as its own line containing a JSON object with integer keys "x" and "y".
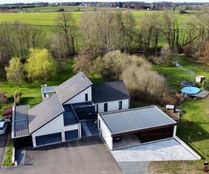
{"x": 86, "y": 97}
{"x": 71, "y": 135}
{"x": 105, "y": 107}
{"x": 98, "y": 124}
{"x": 97, "y": 108}
{"x": 120, "y": 105}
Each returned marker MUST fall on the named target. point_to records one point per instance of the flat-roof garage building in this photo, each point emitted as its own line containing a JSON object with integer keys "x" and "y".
{"x": 131, "y": 127}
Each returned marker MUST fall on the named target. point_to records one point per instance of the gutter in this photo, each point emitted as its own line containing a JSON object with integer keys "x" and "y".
{"x": 13, "y": 115}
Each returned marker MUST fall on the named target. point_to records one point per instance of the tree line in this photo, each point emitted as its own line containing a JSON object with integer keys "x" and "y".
{"x": 102, "y": 31}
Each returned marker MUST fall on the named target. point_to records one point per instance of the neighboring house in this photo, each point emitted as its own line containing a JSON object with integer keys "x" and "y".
{"x": 69, "y": 113}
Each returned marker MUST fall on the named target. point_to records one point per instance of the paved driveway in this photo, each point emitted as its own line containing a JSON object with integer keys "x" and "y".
{"x": 87, "y": 156}
{"x": 162, "y": 150}
{"x": 3, "y": 142}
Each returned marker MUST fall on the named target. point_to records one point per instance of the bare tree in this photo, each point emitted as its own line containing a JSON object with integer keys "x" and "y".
{"x": 170, "y": 29}
{"x": 150, "y": 31}
{"x": 103, "y": 31}
{"x": 66, "y": 31}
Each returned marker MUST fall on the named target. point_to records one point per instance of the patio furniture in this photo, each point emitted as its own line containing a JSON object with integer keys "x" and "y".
{"x": 185, "y": 83}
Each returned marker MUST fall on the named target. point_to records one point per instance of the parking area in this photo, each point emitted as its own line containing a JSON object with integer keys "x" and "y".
{"x": 3, "y": 142}
{"x": 162, "y": 150}
{"x": 89, "y": 156}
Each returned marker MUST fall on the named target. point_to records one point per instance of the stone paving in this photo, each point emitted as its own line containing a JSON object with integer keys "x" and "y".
{"x": 164, "y": 150}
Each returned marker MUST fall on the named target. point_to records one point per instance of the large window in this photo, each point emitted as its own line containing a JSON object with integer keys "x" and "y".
{"x": 69, "y": 118}
{"x": 120, "y": 105}
{"x": 71, "y": 135}
{"x": 105, "y": 107}
{"x": 86, "y": 97}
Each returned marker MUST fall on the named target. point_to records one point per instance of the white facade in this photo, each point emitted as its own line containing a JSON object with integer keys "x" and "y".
{"x": 81, "y": 97}
{"x": 105, "y": 133}
{"x": 113, "y": 105}
{"x": 56, "y": 126}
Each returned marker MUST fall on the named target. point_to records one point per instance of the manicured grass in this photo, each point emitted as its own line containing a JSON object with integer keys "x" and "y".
{"x": 8, "y": 154}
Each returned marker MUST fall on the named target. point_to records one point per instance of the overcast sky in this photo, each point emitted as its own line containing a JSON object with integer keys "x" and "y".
{"x": 30, "y": 1}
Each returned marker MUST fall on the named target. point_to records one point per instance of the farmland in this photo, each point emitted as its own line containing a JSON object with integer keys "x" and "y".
{"x": 49, "y": 18}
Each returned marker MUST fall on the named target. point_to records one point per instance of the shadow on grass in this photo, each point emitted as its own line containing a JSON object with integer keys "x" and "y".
{"x": 190, "y": 132}
{"x": 30, "y": 100}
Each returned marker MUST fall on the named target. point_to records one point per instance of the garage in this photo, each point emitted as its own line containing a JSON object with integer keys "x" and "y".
{"x": 133, "y": 127}
{"x": 71, "y": 135}
{"x": 48, "y": 139}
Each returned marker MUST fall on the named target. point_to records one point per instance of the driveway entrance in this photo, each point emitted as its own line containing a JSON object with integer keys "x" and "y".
{"x": 86, "y": 156}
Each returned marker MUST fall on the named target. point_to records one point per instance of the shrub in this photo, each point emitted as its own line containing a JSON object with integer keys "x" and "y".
{"x": 40, "y": 65}
{"x": 206, "y": 84}
{"x": 112, "y": 64}
{"x": 14, "y": 72}
{"x": 3, "y": 97}
{"x": 144, "y": 83}
{"x": 166, "y": 56}
{"x": 137, "y": 73}
{"x": 17, "y": 97}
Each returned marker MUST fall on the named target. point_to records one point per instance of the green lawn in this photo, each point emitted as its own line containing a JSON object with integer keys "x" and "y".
{"x": 7, "y": 161}
{"x": 194, "y": 128}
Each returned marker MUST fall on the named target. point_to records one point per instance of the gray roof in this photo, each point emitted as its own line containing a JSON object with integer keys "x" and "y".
{"x": 110, "y": 91}
{"x": 20, "y": 121}
{"x": 44, "y": 112}
{"x": 136, "y": 119}
{"x": 72, "y": 87}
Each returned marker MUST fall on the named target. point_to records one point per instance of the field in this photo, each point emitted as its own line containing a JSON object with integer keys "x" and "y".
{"x": 56, "y": 8}
{"x": 46, "y": 19}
